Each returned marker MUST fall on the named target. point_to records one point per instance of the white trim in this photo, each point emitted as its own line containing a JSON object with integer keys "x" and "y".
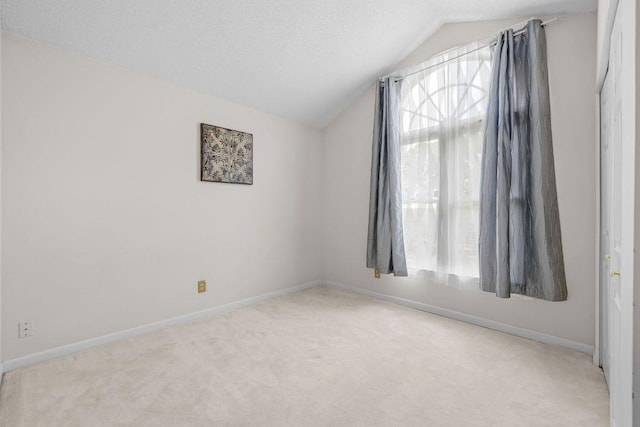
{"x": 9, "y": 365}
{"x": 486, "y": 323}
{"x": 598, "y": 260}
{"x": 53, "y": 353}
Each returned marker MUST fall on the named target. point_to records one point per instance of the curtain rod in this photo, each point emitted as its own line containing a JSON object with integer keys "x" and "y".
{"x": 491, "y": 39}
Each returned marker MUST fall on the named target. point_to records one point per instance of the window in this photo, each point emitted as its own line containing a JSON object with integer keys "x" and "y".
{"x": 443, "y": 111}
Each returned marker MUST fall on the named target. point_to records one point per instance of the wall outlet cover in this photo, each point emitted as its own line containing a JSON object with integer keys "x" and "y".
{"x": 202, "y": 286}
{"x": 25, "y": 329}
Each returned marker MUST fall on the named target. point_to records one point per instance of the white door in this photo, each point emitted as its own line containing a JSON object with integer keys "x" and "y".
{"x": 606, "y": 187}
{"x": 618, "y": 174}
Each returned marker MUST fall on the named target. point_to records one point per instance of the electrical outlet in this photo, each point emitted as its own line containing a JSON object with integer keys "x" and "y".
{"x": 202, "y": 286}
{"x": 25, "y": 329}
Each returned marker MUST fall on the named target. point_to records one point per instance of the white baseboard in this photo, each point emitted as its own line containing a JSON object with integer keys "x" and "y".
{"x": 53, "y": 353}
{"x": 479, "y": 321}
{"x": 9, "y": 365}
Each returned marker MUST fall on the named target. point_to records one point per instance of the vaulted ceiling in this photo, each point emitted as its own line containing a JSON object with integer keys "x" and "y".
{"x": 301, "y": 59}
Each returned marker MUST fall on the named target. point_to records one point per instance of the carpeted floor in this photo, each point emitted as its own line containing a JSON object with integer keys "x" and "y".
{"x": 319, "y": 357}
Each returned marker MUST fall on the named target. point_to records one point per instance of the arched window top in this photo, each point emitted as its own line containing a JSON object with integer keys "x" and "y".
{"x": 452, "y": 89}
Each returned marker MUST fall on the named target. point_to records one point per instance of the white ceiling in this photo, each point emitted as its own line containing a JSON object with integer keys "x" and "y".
{"x": 301, "y": 59}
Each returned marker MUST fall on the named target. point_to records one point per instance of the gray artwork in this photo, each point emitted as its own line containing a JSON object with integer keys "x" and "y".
{"x": 227, "y": 155}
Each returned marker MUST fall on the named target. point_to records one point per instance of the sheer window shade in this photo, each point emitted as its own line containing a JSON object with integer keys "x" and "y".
{"x": 443, "y": 109}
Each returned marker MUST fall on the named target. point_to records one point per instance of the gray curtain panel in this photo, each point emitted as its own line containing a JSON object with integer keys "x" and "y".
{"x": 385, "y": 243}
{"x": 520, "y": 243}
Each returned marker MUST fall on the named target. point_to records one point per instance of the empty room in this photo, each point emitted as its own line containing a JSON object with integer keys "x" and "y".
{"x": 319, "y": 213}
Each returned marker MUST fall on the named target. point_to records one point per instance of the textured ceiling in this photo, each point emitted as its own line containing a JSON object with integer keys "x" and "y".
{"x": 301, "y": 59}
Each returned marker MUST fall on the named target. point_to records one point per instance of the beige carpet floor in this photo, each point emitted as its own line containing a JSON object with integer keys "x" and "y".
{"x": 319, "y": 357}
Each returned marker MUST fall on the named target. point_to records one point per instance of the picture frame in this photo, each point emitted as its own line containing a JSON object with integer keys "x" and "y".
{"x": 226, "y": 155}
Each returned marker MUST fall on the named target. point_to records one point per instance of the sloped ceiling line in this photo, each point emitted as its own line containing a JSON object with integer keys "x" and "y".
{"x": 302, "y": 60}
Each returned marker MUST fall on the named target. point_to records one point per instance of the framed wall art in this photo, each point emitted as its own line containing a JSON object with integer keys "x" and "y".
{"x": 227, "y": 155}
